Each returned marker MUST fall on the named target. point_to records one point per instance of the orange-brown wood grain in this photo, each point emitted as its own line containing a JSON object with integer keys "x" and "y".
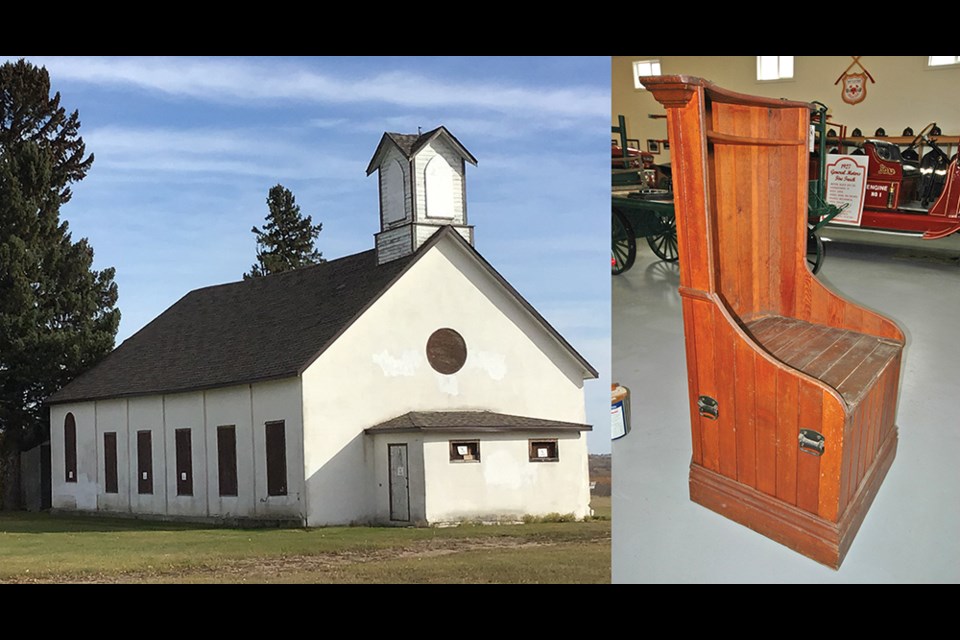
{"x": 745, "y": 399}
{"x": 834, "y": 425}
{"x": 808, "y": 464}
{"x": 728, "y": 242}
{"x": 848, "y": 483}
{"x": 689, "y": 196}
{"x": 703, "y": 336}
{"x": 692, "y": 385}
{"x": 776, "y": 348}
{"x": 787, "y": 430}
{"x": 725, "y": 371}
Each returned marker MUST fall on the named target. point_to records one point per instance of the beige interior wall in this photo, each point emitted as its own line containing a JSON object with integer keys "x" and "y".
{"x": 906, "y": 92}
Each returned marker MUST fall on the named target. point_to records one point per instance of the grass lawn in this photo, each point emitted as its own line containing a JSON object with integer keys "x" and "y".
{"x": 45, "y": 548}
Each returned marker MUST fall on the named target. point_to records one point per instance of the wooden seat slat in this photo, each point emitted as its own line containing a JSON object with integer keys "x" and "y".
{"x": 848, "y": 361}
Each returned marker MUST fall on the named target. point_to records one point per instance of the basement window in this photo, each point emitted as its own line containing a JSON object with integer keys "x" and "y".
{"x": 544, "y": 451}
{"x": 464, "y": 451}
{"x": 774, "y": 67}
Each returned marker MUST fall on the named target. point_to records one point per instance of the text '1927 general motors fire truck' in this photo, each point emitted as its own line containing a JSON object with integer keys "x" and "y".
{"x": 904, "y": 192}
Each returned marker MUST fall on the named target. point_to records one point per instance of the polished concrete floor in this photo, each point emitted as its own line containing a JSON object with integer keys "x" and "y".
{"x": 911, "y": 533}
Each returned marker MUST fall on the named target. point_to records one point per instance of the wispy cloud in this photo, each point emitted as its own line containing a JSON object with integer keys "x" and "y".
{"x": 250, "y": 80}
{"x": 237, "y": 152}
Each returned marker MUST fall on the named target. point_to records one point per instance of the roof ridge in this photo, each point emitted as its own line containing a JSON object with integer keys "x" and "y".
{"x": 325, "y": 263}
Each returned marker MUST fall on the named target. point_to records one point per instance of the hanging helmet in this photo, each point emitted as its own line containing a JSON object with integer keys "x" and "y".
{"x": 858, "y": 152}
{"x": 908, "y": 131}
{"x": 880, "y": 132}
{"x": 936, "y": 131}
{"x": 832, "y": 133}
{"x": 910, "y": 155}
{"x": 856, "y": 133}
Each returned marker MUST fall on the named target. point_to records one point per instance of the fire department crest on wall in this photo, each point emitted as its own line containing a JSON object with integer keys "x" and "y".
{"x": 854, "y": 84}
{"x": 854, "y": 88}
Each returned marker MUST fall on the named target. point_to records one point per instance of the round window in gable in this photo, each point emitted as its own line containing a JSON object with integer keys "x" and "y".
{"x": 446, "y": 351}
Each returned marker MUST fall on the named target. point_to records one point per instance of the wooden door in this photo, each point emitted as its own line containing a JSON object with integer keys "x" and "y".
{"x": 399, "y": 483}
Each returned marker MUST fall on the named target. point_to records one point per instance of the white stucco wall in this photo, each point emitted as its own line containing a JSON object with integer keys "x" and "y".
{"x": 378, "y": 370}
{"x": 247, "y": 407}
{"x": 505, "y": 484}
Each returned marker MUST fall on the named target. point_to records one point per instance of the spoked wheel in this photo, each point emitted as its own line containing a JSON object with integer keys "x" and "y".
{"x": 664, "y": 242}
{"x": 624, "y": 244}
{"x": 815, "y": 251}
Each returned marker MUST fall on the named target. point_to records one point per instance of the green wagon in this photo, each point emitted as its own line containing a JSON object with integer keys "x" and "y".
{"x": 639, "y": 211}
{"x": 639, "y": 214}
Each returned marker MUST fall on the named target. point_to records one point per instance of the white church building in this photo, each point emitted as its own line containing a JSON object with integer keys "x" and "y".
{"x": 407, "y": 384}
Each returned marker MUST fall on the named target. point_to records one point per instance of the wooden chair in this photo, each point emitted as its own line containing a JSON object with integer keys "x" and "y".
{"x": 793, "y": 389}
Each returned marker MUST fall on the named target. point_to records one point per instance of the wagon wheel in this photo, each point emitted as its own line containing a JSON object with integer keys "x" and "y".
{"x": 664, "y": 241}
{"x": 624, "y": 244}
{"x": 815, "y": 251}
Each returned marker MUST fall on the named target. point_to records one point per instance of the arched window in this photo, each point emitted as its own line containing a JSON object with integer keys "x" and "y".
{"x": 439, "y": 178}
{"x": 70, "y": 448}
{"x": 393, "y": 193}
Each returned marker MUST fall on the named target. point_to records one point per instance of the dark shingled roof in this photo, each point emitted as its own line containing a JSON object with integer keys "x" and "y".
{"x": 410, "y": 143}
{"x": 257, "y": 329}
{"x": 405, "y": 141}
{"x": 471, "y": 421}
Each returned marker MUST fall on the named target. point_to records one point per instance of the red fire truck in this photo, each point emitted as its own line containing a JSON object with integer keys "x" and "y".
{"x": 906, "y": 192}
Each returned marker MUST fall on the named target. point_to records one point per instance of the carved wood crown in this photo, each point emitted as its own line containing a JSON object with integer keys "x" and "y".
{"x": 676, "y": 91}
{"x": 669, "y": 93}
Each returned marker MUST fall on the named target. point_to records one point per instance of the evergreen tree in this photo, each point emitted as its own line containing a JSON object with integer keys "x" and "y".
{"x": 287, "y": 239}
{"x": 57, "y": 315}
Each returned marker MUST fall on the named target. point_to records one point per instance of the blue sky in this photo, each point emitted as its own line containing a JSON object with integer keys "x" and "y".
{"x": 187, "y": 148}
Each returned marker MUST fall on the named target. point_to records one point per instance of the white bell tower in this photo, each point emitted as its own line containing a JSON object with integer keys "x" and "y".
{"x": 422, "y": 188}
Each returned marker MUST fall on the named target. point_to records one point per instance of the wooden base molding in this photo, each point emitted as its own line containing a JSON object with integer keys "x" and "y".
{"x": 818, "y": 539}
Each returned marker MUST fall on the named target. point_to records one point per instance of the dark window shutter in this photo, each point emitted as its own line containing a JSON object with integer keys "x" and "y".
{"x": 110, "y": 462}
{"x": 227, "y": 459}
{"x": 276, "y": 459}
{"x": 144, "y": 462}
{"x": 70, "y": 448}
{"x": 184, "y": 463}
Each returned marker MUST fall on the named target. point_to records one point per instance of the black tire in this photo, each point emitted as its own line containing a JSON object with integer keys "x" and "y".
{"x": 816, "y": 251}
{"x": 664, "y": 243}
{"x": 624, "y": 250}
